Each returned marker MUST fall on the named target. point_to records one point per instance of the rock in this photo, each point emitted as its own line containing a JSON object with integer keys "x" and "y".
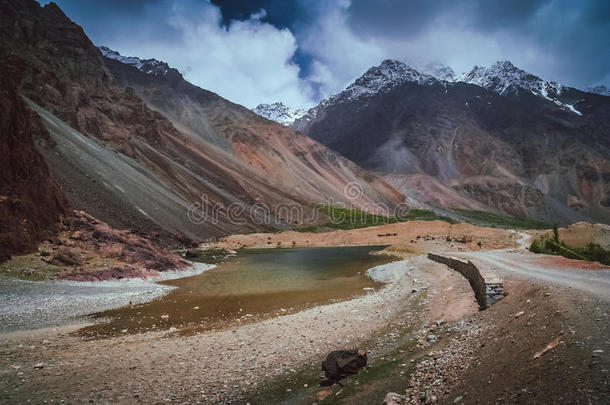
{"x": 342, "y": 363}
{"x": 458, "y": 399}
{"x": 322, "y": 395}
{"x": 393, "y": 398}
{"x": 518, "y": 314}
{"x": 431, "y": 338}
{"x": 165, "y": 316}
{"x": 67, "y": 256}
{"x": 38, "y": 366}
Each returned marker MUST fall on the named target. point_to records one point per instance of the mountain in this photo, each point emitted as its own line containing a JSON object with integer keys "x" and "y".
{"x": 440, "y": 71}
{"x": 31, "y": 202}
{"x": 377, "y": 80}
{"x": 601, "y": 90}
{"x": 506, "y": 79}
{"x": 279, "y": 112}
{"x": 148, "y": 66}
{"x": 499, "y": 139}
{"x": 135, "y": 145}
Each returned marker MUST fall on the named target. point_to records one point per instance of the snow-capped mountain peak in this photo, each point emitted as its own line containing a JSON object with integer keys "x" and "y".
{"x": 601, "y": 90}
{"x": 440, "y": 71}
{"x": 504, "y": 78}
{"x": 378, "y": 79}
{"x": 278, "y": 112}
{"x": 148, "y": 66}
{"x": 389, "y": 74}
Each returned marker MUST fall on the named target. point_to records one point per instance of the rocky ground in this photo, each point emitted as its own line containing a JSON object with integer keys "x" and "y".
{"x": 541, "y": 344}
{"x": 427, "y": 342}
{"x": 87, "y": 249}
{"x": 216, "y": 367}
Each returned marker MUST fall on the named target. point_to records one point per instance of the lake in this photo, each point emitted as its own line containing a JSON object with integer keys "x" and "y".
{"x": 254, "y": 284}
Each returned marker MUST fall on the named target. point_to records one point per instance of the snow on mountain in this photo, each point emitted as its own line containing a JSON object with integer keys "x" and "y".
{"x": 504, "y": 78}
{"x": 376, "y": 80}
{"x": 601, "y": 90}
{"x": 386, "y": 76}
{"x": 278, "y": 112}
{"x": 148, "y": 66}
{"x": 440, "y": 71}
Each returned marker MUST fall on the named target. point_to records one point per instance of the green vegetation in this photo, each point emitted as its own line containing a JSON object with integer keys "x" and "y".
{"x": 500, "y": 221}
{"x": 354, "y": 218}
{"x": 554, "y": 246}
{"x": 425, "y": 215}
{"x": 210, "y": 256}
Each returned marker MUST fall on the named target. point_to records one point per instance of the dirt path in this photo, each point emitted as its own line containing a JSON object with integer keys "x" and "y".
{"x": 589, "y": 277}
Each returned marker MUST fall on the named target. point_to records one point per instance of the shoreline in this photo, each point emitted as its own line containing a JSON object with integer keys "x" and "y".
{"x": 33, "y": 305}
{"x": 227, "y": 357}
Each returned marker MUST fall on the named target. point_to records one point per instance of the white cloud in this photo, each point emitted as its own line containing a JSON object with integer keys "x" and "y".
{"x": 340, "y": 56}
{"x": 247, "y": 62}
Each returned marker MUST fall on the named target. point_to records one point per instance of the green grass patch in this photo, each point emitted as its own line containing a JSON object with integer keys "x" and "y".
{"x": 554, "y": 246}
{"x": 500, "y": 221}
{"x": 354, "y": 218}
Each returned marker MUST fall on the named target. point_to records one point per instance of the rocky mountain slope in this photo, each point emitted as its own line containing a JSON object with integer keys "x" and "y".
{"x": 31, "y": 202}
{"x": 279, "y": 112}
{"x": 163, "y": 155}
{"x": 505, "y": 140}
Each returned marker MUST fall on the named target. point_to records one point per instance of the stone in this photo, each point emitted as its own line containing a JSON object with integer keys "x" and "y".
{"x": 393, "y": 398}
{"x": 38, "y": 366}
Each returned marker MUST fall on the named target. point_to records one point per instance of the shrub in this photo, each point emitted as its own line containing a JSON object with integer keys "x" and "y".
{"x": 535, "y": 247}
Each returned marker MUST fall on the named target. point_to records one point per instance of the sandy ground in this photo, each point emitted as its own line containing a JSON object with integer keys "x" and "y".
{"x": 416, "y": 236}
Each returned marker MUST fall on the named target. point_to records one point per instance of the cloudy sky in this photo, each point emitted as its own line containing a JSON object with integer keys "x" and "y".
{"x": 260, "y": 51}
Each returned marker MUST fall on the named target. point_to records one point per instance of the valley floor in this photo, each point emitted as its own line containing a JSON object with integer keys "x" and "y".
{"x": 423, "y": 331}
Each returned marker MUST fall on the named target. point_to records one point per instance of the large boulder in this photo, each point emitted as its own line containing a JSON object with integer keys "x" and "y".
{"x": 342, "y": 363}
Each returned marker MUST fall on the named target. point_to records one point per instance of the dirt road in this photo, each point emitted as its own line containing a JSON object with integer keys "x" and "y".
{"x": 588, "y": 277}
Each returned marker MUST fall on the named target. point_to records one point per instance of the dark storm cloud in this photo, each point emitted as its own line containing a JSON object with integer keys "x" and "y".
{"x": 557, "y": 39}
{"x": 106, "y": 20}
{"x": 319, "y": 46}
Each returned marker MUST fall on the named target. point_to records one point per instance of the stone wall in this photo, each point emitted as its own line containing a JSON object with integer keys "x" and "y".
{"x": 488, "y": 288}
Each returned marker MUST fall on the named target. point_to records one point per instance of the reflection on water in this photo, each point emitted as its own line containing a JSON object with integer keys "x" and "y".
{"x": 254, "y": 284}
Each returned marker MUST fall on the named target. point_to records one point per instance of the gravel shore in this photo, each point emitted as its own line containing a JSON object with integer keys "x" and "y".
{"x": 40, "y": 304}
{"x": 223, "y": 366}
